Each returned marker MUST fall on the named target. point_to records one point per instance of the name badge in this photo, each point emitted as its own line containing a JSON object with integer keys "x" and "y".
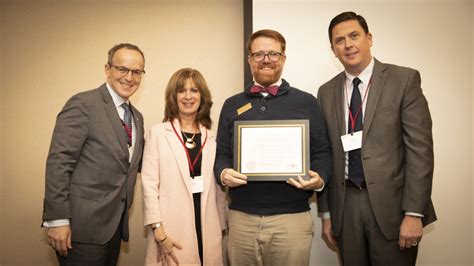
{"x": 197, "y": 184}
{"x": 352, "y": 142}
{"x": 244, "y": 108}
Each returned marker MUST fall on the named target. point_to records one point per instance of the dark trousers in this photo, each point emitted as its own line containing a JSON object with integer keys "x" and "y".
{"x": 83, "y": 254}
{"x": 361, "y": 241}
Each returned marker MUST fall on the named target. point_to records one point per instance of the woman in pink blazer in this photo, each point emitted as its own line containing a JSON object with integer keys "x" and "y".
{"x": 183, "y": 206}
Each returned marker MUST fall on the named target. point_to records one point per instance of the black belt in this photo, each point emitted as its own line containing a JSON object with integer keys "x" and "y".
{"x": 349, "y": 184}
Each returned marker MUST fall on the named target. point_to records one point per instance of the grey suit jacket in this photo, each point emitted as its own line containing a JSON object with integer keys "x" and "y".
{"x": 397, "y": 148}
{"x": 89, "y": 179}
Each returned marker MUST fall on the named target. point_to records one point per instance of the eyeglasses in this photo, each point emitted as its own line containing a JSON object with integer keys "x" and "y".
{"x": 272, "y": 56}
{"x": 124, "y": 71}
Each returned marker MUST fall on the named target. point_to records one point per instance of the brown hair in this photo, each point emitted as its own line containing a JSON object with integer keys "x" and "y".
{"x": 267, "y": 34}
{"x": 345, "y": 16}
{"x": 128, "y": 46}
{"x": 178, "y": 81}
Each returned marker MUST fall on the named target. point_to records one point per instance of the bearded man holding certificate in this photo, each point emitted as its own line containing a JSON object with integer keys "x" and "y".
{"x": 269, "y": 221}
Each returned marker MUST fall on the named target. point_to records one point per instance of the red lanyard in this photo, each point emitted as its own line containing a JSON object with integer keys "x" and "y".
{"x": 352, "y": 117}
{"x": 191, "y": 164}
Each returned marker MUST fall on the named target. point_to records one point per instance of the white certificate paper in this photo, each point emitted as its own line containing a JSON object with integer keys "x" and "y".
{"x": 272, "y": 150}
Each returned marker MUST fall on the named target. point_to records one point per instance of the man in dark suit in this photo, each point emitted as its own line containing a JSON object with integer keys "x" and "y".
{"x": 92, "y": 165}
{"x": 375, "y": 206}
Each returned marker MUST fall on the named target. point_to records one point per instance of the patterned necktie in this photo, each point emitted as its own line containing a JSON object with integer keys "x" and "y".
{"x": 273, "y": 90}
{"x": 127, "y": 123}
{"x": 356, "y": 171}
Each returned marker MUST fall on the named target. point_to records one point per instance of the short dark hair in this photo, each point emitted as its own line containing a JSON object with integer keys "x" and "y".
{"x": 345, "y": 16}
{"x": 177, "y": 82}
{"x": 267, "y": 34}
{"x": 129, "y": 46}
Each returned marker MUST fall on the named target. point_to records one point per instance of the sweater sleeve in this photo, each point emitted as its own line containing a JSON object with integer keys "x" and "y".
{"x": 224, "y": 152}
{"x": 320, "y": 147}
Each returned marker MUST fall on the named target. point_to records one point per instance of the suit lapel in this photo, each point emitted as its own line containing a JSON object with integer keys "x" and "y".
{"x": 139, "y": 136}
{"x": 340, "y": 103}
{"x": 178, "y": 151}
{"x": 117, "y": 128}
{"x": 375, "y": 91}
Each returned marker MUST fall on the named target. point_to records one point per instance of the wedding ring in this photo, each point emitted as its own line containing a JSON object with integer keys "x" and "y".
{"x": 414, "y": 244}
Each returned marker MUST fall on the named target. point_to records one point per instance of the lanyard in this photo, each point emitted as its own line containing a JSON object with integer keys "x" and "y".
{"x": 191, "y": 164}
{"x": 352, "y": 117}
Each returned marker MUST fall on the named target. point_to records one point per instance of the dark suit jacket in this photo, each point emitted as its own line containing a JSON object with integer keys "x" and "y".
{"x": 89, "y": 179}
{"x": 397, "y": 148}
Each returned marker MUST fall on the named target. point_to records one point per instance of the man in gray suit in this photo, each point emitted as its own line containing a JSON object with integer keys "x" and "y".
{"x": 375, "y": 206}
{"x": 92, "y": 165}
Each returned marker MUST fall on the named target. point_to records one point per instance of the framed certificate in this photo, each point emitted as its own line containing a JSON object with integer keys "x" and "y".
{"x": 271, "y": 150}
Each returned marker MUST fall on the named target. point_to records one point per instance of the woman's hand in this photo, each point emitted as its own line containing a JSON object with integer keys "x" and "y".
{"x": 166, "y": 244}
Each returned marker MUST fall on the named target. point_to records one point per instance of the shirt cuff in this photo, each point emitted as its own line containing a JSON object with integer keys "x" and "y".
{"x": 321, "y": 188}
{"x": 414, "y": 214}
{"x": 324, "y": 215}
{"x": 56, "y": 223}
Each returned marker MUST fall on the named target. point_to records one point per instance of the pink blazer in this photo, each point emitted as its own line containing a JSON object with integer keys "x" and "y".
{"x": 168, "y": 198}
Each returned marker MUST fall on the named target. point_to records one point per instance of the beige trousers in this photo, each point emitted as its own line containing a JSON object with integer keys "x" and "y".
{"x": 283, "y": 239}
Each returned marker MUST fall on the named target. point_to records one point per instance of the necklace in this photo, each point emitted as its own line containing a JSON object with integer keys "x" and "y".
{"x": 190, "y": 144}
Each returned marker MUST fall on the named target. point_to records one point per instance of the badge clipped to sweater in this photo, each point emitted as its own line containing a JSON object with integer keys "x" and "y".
{"x": 352, "y": 142}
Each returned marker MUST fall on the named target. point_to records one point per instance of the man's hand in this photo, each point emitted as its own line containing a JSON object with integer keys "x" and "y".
{"x": 411, "y": 231}
{"x": 60, "y": 239}
{"x": 232, "y": 178}
{"x": 315, "y": 181}
{"x": 326, "y": 234}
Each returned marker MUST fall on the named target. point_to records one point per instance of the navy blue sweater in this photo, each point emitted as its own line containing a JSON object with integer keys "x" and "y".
{"x": 272, "y": 197}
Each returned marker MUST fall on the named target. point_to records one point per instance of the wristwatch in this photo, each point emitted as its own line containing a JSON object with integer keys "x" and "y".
{"x": 154, "y": 226}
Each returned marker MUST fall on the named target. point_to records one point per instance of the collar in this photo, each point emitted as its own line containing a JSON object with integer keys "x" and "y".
{"x": 118, "y": 101}
{"x": 365, "y": 75}
{"x": 278, "y": 83}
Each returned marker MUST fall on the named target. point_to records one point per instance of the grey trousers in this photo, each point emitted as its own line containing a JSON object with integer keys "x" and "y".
{"x": 361, "y": 241}
{"x": 92, "y": 254}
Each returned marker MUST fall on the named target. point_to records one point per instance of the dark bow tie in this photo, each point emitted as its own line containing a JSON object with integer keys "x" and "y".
{"x": 273, "y": 90}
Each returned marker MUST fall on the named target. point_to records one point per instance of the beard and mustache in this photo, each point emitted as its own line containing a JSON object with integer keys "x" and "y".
{"x": 266, "y": 77}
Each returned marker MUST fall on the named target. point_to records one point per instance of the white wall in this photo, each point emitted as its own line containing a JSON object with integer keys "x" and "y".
{"x": 434, "y": 37}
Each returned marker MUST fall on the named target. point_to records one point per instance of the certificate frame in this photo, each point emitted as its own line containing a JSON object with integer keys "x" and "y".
{"x": 301, "y": 129}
